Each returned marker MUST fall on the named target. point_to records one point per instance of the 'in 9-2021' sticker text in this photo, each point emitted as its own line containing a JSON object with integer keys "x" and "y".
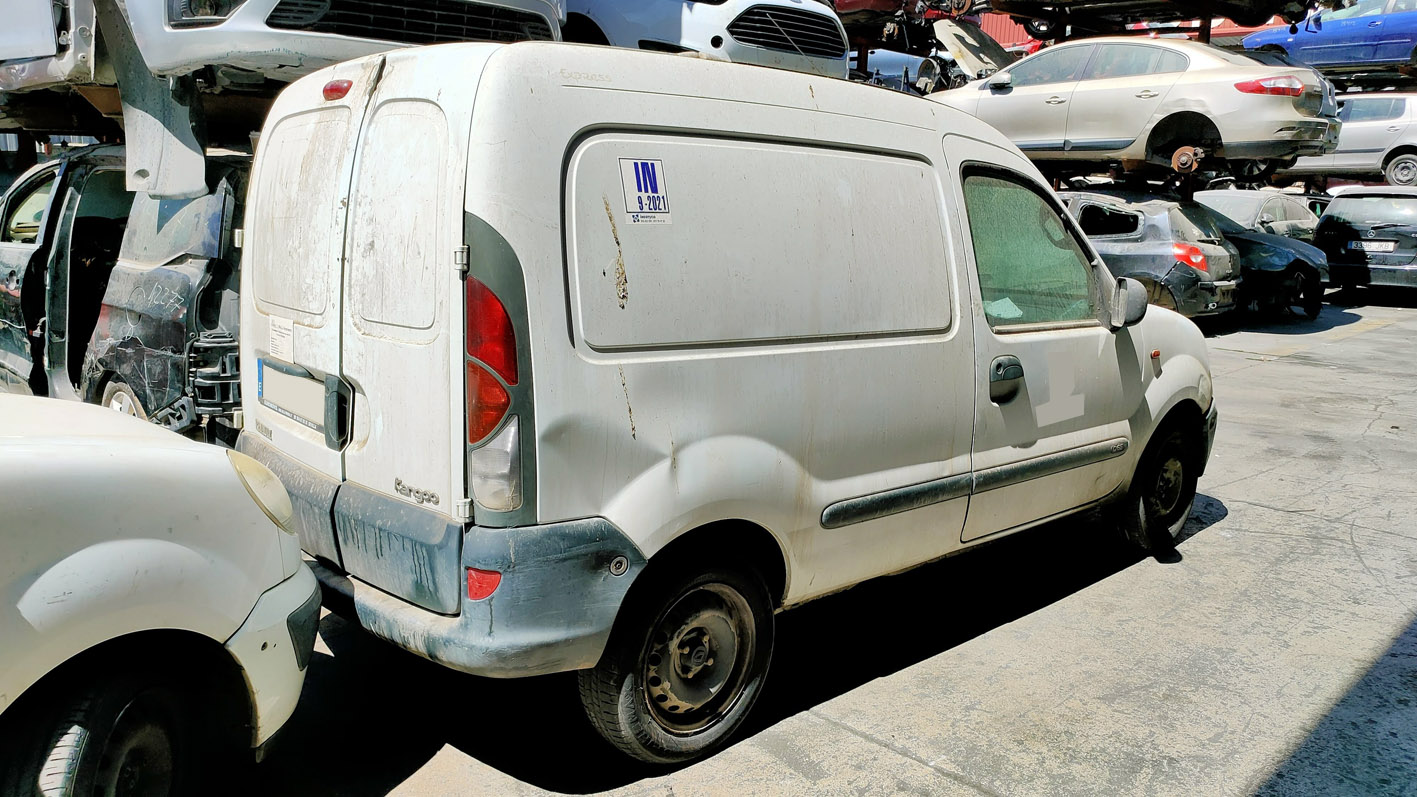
{"x": 646, "y": 191}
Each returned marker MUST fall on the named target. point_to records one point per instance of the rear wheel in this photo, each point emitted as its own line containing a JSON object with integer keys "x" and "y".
{"x": 1307, "y": 295}
{"x": 1040, "y": 29}
{"x": 1401, "y": 170}
{"x": 1162, "y": 491}
{"x": 683, "y": 667}
{"x": 118, "y": 396}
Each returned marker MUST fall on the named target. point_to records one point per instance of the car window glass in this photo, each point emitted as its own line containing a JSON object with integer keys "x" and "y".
{"x": 1050, "y": 66}
{"x": 1031, "y": 267}
{"x": 1297, "y": 211}
{"x": 1169, "y": 61}
{"x": 1242, "y": 206}
{"x": 1363, "y": 8}
{"x": 1364, "y": 210}
{"x": 23, "y": 221}
{"x": 1403, "y": 5}
{"x": 1121, "y": 60}
{"x": 1275, "y": 210}
{"x": 1368, "y": 110}
{"x": 1096, "y": 220}
{"x": 1193, "y": 222}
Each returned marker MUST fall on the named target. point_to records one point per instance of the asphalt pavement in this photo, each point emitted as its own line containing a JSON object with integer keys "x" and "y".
{"x": 1274, "y": 653}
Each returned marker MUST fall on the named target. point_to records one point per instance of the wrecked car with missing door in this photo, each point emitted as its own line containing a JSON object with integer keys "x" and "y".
{"x": 540, "y": 414}
{"x": 122, "y": 299}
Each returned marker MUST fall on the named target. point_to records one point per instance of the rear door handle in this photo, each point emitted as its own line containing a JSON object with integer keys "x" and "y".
{"x": 1147, "y": 94}
{"x": 1393, "y": 128}
{"x": 1375, "y": 23}
{"x": 1055, "y": 100}
{"x": 1005, "y": 374}
{"x": 338, "y": 396}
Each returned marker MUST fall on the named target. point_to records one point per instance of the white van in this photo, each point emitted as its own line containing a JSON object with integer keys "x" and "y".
{"x": 581, "y": 358}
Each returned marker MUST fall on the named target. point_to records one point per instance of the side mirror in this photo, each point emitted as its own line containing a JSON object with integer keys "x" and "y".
{"x": 927, "y": 76}
{"x": 1293, "y": 29}
{"x": 1265, "y": 218}
{"x": 1000, "y": 80}
{"x": 1128, "y": 303}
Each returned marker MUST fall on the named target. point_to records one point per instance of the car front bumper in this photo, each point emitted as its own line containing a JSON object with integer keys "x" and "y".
{"x": 1396, "y": 276}
{"x": 273, "y": 648}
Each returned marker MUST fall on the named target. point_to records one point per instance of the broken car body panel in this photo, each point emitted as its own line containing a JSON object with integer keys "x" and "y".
{"x": 47, "y": 43}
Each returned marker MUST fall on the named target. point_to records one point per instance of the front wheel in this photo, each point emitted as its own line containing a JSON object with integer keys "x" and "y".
{"x": 683, "y": 668}
{"x": 119, "y": 736}
{"x": 1307, "y": 296}
{"x": 118, "y": 396}
{"x": 1162, "y": 492}
{"x": 1401, "y": 170}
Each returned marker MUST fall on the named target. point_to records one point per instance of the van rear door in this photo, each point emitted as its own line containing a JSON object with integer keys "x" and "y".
{"x": 402, "y": 333}
{"x": 290, "y": 326}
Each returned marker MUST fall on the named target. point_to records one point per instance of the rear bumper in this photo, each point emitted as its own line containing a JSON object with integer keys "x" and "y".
{"x": 552, "y": 611}
{"x": 1292, "y": 139}
{"x": 1207, "y": 298}
{"x": 1369, "y": 274}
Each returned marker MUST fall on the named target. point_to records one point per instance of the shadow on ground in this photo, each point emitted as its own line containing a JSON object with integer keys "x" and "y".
{"x": 1367, "y": 743}
{"x": 1277, "y": 322}
{"x": 372, "y": 715}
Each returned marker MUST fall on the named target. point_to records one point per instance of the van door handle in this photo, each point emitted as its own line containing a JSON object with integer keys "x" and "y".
{"x": 1055, "y": 100}
{"x": 1393, "y": 128}
{"x": 1375, "y": 23}
{"x": 1147, "y": 94}
{"x": 1005, "y": 374}
{"x": 338, "y": 397}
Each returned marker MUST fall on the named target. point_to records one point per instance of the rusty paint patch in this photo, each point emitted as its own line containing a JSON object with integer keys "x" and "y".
{"x": 622, "y": 287}
{"x": 628, "y": 409}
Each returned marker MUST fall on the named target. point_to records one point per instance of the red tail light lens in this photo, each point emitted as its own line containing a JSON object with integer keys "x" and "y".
{"x": 336, "y": 89}
{"x": 490, "y": 337}
{"x": 1190, "y": 255}
{"x": 1284, "y": 86}
{"x": 487, "y": 402}
{"x": 482, "y": 583}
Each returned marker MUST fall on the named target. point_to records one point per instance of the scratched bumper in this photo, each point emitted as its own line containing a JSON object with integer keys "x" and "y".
{"x": 552, "y": 611}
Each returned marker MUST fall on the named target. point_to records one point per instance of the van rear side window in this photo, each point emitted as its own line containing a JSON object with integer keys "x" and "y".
{"x": 297, "y": 244}
{"x": 761, "y": 243}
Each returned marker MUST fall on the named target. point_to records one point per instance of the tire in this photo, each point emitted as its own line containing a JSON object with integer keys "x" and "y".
{"x": 1162, "y": 491}
{"x": 1401, "y": 170}
{"x": 1040, "y": 29}
{"x": 1252, "y": 173}
{"x": 123, "y": 735}
{"x": 118, "y": 396}
{"x": 655, "y": 705}
{"x": 1308, "y": 296}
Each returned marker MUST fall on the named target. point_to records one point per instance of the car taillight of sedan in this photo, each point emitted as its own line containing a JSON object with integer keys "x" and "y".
{"x": 1283, "y": 86}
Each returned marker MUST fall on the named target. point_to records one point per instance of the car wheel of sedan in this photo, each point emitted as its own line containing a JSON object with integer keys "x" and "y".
{"x": 1040, "y": 29}
{"x": 120, "y": 736}
{"x": 682, "y": 671}
{"x": 1253, "y": 173}
{"x": 1162, "y": 491}
{"x": 1402, "y": 170}
{"x": 118, "y": 396}
{"x": 1308, "y": 294}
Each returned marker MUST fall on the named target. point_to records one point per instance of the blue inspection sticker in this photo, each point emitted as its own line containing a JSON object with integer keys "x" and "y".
{"x": 646, "y": 190}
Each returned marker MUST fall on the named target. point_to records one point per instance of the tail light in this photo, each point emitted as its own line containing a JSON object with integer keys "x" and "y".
{"x": 336, "y": 89}
{"x": 1284, "y": 86}
{"x": 1190, "y": 255}
{"x": 494, "y": 467}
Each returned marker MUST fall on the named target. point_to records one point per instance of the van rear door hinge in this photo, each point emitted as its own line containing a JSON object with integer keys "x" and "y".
{"x": 462, "y": 509}
{"x": 460, "y": 256}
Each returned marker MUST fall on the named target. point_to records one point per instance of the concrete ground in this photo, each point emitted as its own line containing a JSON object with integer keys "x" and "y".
{"x": 1277, "y": 653}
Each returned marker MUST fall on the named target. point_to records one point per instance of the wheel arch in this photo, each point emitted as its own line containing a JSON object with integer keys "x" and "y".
{"x": 1184, "y": 413}
{"x": 1178, "y": 129}
{"x": 205, "y": 665}
{"x": 1400, "y": 149}
{"x": 733, "y": 543}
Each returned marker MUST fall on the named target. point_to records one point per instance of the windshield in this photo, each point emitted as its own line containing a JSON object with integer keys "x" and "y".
{"x": 1225, "y": 223}
{"x": 1240, "y": 207}
{"x": 1369, "y": 210}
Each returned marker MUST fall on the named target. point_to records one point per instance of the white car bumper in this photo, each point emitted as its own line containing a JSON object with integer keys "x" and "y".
{"x": 274, "y": 646}
{"x": 244, "y": 39}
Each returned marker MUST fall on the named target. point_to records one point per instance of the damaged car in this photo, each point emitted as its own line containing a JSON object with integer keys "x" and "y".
{"x": 1370, "y": 237}
{"x": 122, "y": 299}
{"x": 1263, "y": 211}
{"x": 1280, "y": 273}
{"x": 1173, "y": 248}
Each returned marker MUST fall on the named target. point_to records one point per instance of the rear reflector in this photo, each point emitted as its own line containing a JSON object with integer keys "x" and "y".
{"x": 490, "y": 337}
{"x": 487, "y": 402}
{"x": 336, "y": 89}
{"x": 1284, "y": 86}
{"x": 481, "y": 583}
{"x": 1190, "y": 255}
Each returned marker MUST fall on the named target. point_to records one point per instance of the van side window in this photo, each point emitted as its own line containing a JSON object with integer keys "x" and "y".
{"x": 1032, "y": 270}
{"x": 1096, "y": 220}
{"x": 27, "y": 214}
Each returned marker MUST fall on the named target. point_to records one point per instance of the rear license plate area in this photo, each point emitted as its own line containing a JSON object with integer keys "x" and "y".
{"x": 1373, "y": 246}
{"x": 283, "y": 390}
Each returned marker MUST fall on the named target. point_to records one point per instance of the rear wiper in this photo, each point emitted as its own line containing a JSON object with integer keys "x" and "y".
{"x": 1387, "y": 225}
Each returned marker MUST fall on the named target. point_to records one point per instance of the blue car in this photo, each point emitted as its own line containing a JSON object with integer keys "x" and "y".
{"x": 1368, "y": 35}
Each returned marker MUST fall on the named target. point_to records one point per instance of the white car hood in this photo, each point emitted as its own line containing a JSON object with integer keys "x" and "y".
{"x": 33, "y": 418}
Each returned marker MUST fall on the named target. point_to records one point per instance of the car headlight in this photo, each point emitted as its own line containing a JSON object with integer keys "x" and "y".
{"x": 265, "y": 488}
{"x": 199, "y": 13}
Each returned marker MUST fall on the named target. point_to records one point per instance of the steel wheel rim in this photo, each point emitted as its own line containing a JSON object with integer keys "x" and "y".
{"x": 1166, "y": 491}
{"x": 695, "y": 664}
{"x": 122, "y": 403}
{"x": 1404, "y": 172}
{"x": 139, "y": 764}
